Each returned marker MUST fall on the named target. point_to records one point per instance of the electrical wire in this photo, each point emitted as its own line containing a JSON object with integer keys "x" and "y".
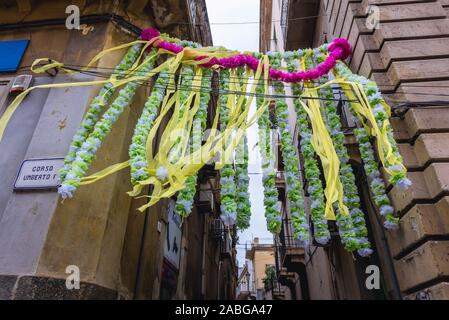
{"x": 74, "y": 66}
{"x": 200, "y": 88}
{"x": 239, "y": 81}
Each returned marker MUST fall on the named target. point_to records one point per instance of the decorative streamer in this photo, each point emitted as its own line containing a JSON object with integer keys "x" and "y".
{"x": 85, "y": 155}
{"x": 311, "y": 168}
{"x": 184, "y": 201}
{"x": 322, "y": 143}
{"x": 339, "y": 49}
{"x": 241, "y": 172}
{"x": 228, "y": 187}
{"x": 137, "y": 156}
{"x": 393, "y": 163}
{"x": 272, "y": 210}
{"x": 352, "y": 228}
{"x": 95, "y": 108}
{"x": 181, "y": 153}
{"x": 376, "y": 183}
{"x": 397, "y": 170}
{"x": 291, "y": 166}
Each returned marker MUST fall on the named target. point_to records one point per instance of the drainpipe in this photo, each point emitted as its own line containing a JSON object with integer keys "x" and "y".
{"x": 397, "y": 295}
{"x": 137, "y": 283}
{"x": 218, "y": 279}
{"x": 203, "y": 262}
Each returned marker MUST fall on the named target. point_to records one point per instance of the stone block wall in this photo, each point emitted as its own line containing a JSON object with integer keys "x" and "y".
{"x": 408, "y": 56}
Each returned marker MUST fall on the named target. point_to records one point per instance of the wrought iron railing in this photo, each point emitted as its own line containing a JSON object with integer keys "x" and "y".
{"x": 285, "y": 243}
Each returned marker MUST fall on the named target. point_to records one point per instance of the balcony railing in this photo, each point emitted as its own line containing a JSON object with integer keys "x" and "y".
{"x": 288, "y": 248}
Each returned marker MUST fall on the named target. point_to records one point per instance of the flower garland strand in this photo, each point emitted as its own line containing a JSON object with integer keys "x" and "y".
{"x": 228, "y": 188}
{"x": 371, "y": 166}
{"x": 272, "y": 211}
{"x": 95, "y": 108}
{"x": 398, "y": 175}
{"x": 291, "y": 168}
{"x": 311, "y": 168}
{"x": 185, "y": 89}
{"x": 376, "y": 183}
{"x": 241, "y": 173}
{"x": 339, "y": 49}
{"x": 137, "y": 149}
{"x": 184, "y": 201}
{"x": 352, "y": 228}
{"x": 86, "y": 153}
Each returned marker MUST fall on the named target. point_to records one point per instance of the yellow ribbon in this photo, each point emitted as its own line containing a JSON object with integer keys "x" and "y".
{"x": 361, "y": 106}
{"x": 5, "y": 118}
{"x": 323, "y": 146}
{"x": 190, "y": 163}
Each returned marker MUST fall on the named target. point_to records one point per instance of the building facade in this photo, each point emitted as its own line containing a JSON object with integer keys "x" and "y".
{"x": 99, "y": 235}
{"x": 402, "y": 45}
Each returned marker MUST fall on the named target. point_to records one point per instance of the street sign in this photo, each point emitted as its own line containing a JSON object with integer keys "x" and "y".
{"x": 38, "y": 174}
{"x": 172, "y": 249}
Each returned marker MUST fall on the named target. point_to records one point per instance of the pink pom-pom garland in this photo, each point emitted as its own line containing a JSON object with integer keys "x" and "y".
{"x": 339, "y": 49}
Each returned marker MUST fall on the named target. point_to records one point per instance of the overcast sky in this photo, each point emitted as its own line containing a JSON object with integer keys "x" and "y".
{"x": 243, "y": 37}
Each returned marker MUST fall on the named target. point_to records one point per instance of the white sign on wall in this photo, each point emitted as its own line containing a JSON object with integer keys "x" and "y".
{"x": 39, "y": 174}
{"x": 172, "y": 248}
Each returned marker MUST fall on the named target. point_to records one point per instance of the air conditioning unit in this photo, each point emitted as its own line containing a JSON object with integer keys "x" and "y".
{"x": 217, "y": 229}
{"x": 226, "y": 245}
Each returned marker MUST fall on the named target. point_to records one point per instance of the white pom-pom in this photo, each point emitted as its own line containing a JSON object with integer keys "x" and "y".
{"x": 162, "y": 173}
{"x": 386, "y": 209}
{"x": 396, "y": 167}
{"x": 390, "y": 225}
{"x": 322, "y": 240}
{"x": 378, "y": 108}
{"x": 403, "y": 184}
{"x": 66, "y": 191}
{"x": 228, "y": 219}
{"x": 71, "y": 176}
{"x": 365, "y": 252}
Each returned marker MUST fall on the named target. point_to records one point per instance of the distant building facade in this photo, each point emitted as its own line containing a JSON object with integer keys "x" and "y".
{"x": 253, "y": 282}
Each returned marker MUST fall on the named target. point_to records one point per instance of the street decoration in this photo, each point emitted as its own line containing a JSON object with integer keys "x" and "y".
{"x": 181, "y": 90}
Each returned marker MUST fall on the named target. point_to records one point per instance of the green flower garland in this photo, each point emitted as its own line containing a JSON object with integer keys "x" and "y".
{"x": 184, "y": 90}
{"x": 376, "y": 184}
{"x": 184, "y": 201}
{"x": 352, "y": 228}
{"x": 272, "y": 211}
{"x": 95, "y": 108}
{"x": 241, "y": 176}
{"x": 137, "y": 149}
{"x": 86, "y": 153}
{"x": 398, "y": 176}
{"x": 371, "y": 166}
{"x": 228, "y": 188}
{"x": 290, "y": 159}
{"x": 311, "y": 168}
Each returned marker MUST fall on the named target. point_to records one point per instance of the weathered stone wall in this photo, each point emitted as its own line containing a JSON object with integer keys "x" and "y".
{"x": 408, "y": 57}
{"x": 99, "y": 230}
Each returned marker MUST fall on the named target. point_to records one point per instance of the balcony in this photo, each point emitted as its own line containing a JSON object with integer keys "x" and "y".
{"x": 290, "y": 252}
